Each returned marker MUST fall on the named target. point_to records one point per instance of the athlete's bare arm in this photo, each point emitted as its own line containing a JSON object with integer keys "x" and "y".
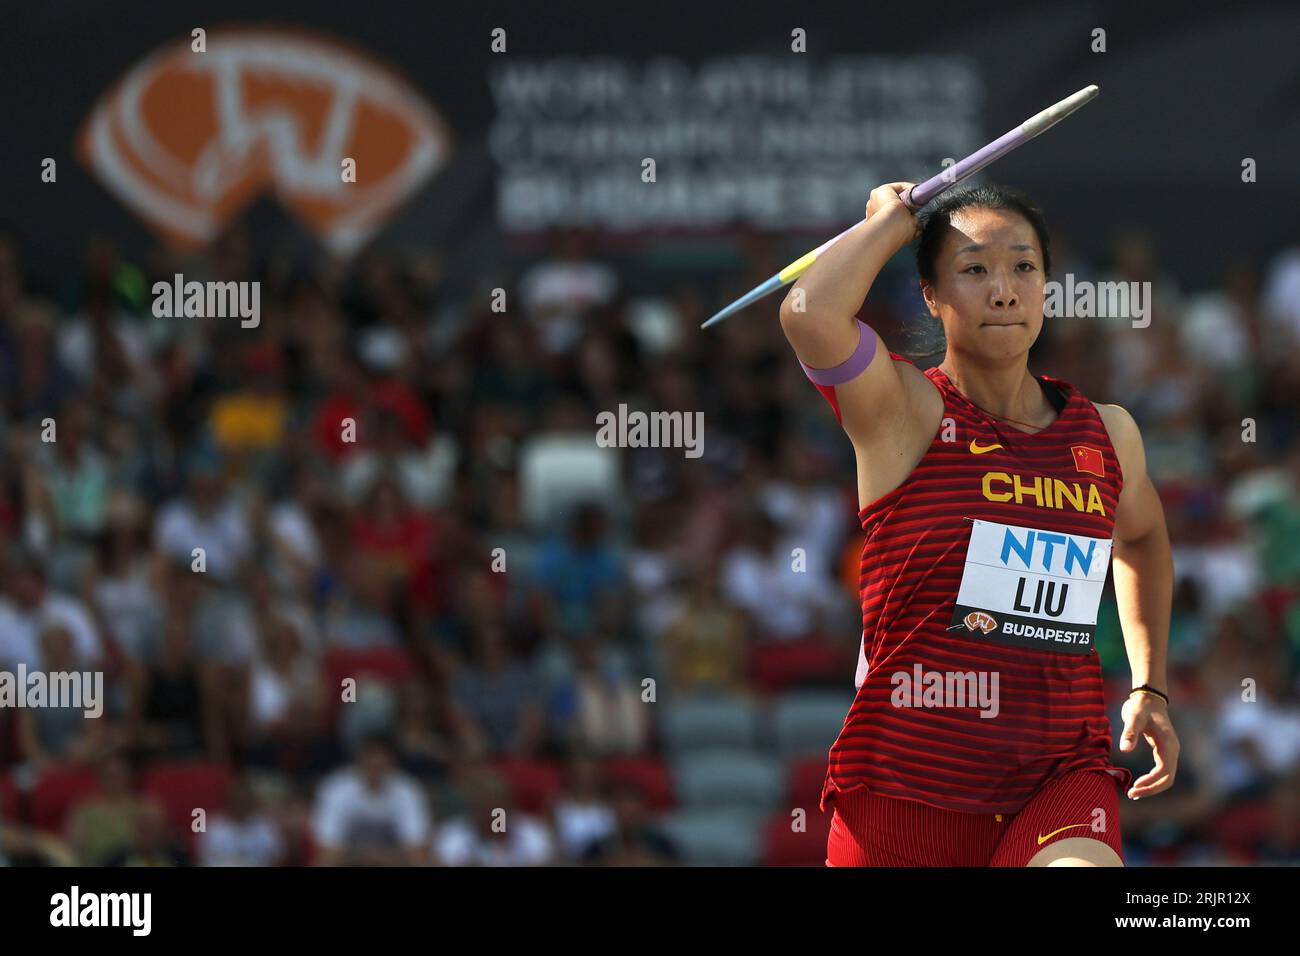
{"x": 1143, "y": 572}
{"x": 891, "y": 409}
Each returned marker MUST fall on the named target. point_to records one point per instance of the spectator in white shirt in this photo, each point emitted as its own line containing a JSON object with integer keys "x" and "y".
{"x": 60, "y": 731}
{"x": 784, "y": 599}
{"x": 243, "y": 835}
{"x": 28, "y": 608}
{"x": 208, "y": 518}
{"x": 583, "y": 814}
{"x": 557, "y": 292}
{"x": 284, "y": 694}
{"x": 808, "y": 509}
{"x": 371, "y": 814}
{"x": 123, "y": 592}
{"x": 493, "y": 832}
{"x": 1281, "y": 295}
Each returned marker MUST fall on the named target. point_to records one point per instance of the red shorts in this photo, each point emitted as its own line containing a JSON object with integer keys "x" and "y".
{"x": 871, "y": 830}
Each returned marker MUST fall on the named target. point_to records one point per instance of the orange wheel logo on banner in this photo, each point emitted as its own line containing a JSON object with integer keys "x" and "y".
{"x": 187, "y": 140}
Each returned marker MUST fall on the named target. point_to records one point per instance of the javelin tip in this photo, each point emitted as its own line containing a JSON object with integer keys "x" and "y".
{"x": 1059, "y": 111}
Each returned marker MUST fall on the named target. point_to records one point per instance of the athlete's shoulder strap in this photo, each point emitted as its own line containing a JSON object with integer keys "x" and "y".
{"x": 1058, "y": 391}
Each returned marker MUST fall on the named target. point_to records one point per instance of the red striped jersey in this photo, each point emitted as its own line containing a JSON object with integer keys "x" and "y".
{"x": 980, "y": 581}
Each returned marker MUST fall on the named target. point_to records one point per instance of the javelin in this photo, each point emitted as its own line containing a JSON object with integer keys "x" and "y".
{"x": 919, "y": 195}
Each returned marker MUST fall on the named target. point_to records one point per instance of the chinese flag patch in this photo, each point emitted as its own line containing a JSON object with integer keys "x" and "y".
{"x": 1089, "y": 459}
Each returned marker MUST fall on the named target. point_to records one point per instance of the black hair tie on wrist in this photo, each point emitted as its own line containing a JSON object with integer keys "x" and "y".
{"x": 1147, "y": 687}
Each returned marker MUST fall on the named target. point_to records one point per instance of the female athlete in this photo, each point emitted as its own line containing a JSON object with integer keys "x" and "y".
{"x": 993, "y": 501}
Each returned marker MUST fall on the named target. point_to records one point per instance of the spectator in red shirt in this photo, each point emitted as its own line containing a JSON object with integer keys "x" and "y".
{"x": 398, "y": 539}
{"x": 351, "y": 397}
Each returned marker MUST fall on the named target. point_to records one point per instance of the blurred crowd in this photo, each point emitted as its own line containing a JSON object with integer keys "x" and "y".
{"x": 364, "y": 589}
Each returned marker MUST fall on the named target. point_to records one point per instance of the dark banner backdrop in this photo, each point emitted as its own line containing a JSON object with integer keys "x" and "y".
{"x": 1188, "y": 92}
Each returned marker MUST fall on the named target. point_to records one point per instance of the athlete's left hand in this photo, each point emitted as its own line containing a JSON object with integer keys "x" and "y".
{"x": 1148, "y": 715}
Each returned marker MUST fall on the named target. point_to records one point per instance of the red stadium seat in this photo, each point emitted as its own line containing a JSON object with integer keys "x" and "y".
{"x": 310, "y": 851}
{"x": 534, "y": 783}
{"x": 1275, "y": 601}
{"x": 9, "y": 799}
{"x": 9, "y": 737}
{"x": 783, "y": 846}
{"x": 1167, "y": 856}
{"x": 185, "y": 786}
{"x": 1116, "y": 689}
{"x": 776, "y": 665}
{"x": 387, "y": 664}
{"x": 1243, "y": 827}
{"x": 804, "y": 779}
{"x": 57, "y": 792}
{"x": 649, "y": 774}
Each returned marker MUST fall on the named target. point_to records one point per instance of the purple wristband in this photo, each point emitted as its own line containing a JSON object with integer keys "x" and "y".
{"x": 852, "y": 366}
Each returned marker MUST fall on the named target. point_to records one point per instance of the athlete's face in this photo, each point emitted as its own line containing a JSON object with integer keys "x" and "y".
{"x": 988, "y": 288}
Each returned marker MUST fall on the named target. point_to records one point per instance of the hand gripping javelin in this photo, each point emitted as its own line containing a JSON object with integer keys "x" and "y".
{"x": 922, "y": 193}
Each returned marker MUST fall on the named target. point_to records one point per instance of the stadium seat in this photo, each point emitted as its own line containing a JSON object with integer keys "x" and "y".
{"x": 9, "y": 798}
{"x": 1116, "y": 689}
{"x": 715, "y": 837}
{"x": 557, "y": 470}
{"x": 804, "y": 778}
{"x": 9, "y": 752}
{"x": 648, "y": 773}
{"x": 1166, "y": 856}
{"x": 58, "y": 790}
{"x": 390, "y": 665}
{"x": 700, "y": 722}
{"x": 310, "y": 850}
{"x": 812, "y": 661}
{"x": 375, "y": 711}
{"x": 729, "y": 778}
{"x": 784, "y": 846}
{"x": 1241, "y": 828}
{"x": 1275, "y": 601}
{"x": 185, "y": 786}
{"x": 807, "y": 722}
{"x": 534, "y": 783}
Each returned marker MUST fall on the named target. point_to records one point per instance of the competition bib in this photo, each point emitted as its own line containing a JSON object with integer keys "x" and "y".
{"x": 1026, "y": 587}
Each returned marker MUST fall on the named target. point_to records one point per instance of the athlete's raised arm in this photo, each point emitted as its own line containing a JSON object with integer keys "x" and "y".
{"x": 818, "y": 316}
